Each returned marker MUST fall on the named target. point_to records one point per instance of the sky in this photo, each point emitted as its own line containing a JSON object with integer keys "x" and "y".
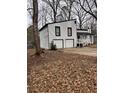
{"x": 29, "y": 20}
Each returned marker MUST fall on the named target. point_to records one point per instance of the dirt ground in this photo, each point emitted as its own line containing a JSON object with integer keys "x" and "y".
{"x": 61, "y": 72}
{"x": 83, "y": 51}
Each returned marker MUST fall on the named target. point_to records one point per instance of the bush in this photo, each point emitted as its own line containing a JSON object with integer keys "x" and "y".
{"x": 81, "y": 45}
{"x": 53, "y": 47}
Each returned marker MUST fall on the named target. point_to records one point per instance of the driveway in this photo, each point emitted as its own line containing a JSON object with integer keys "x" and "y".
{"x": 83, "y": 51}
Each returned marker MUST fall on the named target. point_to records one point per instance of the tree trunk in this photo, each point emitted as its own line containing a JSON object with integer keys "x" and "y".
{"x": 80, "y": 25}
{"x": 69, "y": 12}
{"x": 80, "y": 22}
{"x": 87, "y": 11}
{"x": 35, "y": 27}
{"x": 69, "y": 15}
{"x": 54, "y": 14}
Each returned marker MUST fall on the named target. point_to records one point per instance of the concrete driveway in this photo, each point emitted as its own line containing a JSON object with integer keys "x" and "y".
{"x": 83, "y": 51}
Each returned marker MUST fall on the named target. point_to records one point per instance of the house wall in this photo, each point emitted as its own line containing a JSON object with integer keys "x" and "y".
{"x": 44, "y": 38}
{"x": 63, "y": 29}
{"x": 85, "y": 39}
{"x": 88, "y": 31}
{"x": 92, "y": 39}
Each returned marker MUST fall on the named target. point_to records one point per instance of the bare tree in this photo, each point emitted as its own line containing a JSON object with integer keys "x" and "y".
{"x": 44, "y": 14}
{"x": 54, "y": 4}
{"x": 95, "y": 2}
{"x": 35, "y": 27}
{"x": 30, "y": 7}
{"x": 30, "y": 10}
{"x": 88, "y": 6}
{"x": 63, "y": 12}
{"x": 67, "y": 9}
{"x": 80, "y": 13}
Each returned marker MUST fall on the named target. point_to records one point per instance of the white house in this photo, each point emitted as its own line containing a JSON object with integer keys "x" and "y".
{"x": 64, "y": 35}
{"x": 84, "y": 37}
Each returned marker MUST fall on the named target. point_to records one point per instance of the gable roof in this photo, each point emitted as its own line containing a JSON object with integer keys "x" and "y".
{"x": 44, "y": 27}
{"x": 55, "y": 22}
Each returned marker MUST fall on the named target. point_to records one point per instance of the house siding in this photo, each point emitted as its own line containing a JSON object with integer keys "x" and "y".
{"x": 92, "y": 39}
{"x": 64, "y": 33}
{"x": 88, "y": 31}
{"x": 86, "y": 40}
{"x": 44, "y": 38}
{"x": 47, "y": 35}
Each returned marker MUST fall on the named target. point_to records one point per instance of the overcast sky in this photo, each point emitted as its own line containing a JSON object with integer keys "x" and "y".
{"x": 29, "y": 20}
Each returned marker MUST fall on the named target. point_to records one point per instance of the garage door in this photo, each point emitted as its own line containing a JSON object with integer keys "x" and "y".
{"x": 69, "y": 43}
{"x": 58, "y": 43}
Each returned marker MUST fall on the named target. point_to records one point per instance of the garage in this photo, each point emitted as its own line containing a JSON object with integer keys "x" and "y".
{"x": 58, "y": 43}
{"x": 69, "y": 43}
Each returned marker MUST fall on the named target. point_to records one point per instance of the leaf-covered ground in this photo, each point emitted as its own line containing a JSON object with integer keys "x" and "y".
{"x": 58, "y": 72}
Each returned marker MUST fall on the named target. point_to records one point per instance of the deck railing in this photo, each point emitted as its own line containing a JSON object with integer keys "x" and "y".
{"x": 83, "y": 42}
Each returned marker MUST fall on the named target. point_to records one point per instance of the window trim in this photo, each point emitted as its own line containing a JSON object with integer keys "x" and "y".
{"x": 56, "y": 31}
{"x": 69, "y": 34}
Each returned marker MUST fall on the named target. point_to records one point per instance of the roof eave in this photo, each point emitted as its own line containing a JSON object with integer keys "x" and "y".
{"x": 43, "y": 27}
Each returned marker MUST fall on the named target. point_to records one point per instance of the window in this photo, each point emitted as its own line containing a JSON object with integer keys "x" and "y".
{"x": 75, "y": 22}
{"x": 57, "y": 30}
{"x": 69, "y": 31}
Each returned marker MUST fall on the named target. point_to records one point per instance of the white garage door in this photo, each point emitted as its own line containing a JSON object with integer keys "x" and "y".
{"x": 69, "y": 43}
{"x": 58, "y": 43}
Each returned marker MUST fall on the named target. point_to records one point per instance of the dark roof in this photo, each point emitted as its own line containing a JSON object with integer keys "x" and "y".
{"x": 44, "y": 27}
{"x": 55, "y": 22}
{"x": 83, "y": 29}
{"x": 86, "y": 33}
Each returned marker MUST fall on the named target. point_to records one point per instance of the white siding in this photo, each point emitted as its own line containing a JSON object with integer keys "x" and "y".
{"x": 92, "y": 37}
{"x": 63, "y": 29}
{"x": 69, "y": 43}
{"x": 88, "y": 31}
{"x": 58, "y": 43}
{"x": 86, "y": 39}
{"x": 44, "y": 38}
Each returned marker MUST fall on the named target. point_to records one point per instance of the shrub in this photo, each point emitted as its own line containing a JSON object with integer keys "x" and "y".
{"x": 53, "y": 47}
{"x": 81, "y": 45}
